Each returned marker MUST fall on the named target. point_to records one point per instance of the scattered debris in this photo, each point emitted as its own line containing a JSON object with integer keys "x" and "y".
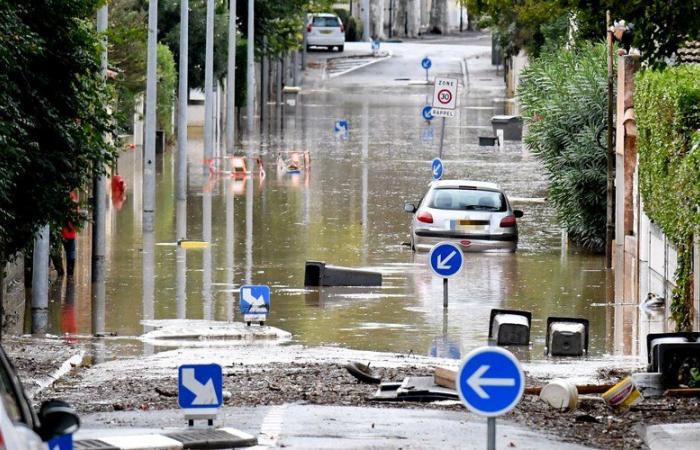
{"x": 560, "y": 394}
{"x": 623, "y": 395}
{"x": 363, "y": 373}
{"x": 445, "y": 378}
{"x": 414, "y": 389}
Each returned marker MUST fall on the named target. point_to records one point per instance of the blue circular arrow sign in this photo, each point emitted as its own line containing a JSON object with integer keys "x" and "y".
{"x": 438, "y": 168}
{"x": 426, "y": 63}
{"x": 490, "y": 381}
{"x": 446, "y": 259}
{"x": 427, "y": 112}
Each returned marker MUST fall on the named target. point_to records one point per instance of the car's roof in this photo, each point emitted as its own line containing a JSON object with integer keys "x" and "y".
{"x": 458, "y": 183}
{"x": 324, "y": 15}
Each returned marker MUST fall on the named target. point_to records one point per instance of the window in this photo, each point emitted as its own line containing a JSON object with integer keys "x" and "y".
{"x": 467, "y": 200}
{"x": 326, "y": 22}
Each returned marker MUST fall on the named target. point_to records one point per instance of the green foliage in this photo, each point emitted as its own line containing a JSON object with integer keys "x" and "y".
{"x": 126, "y": 38}
{"x": 661, "y": 26}
{"x": 563, "y": 95}
{"x": 167, "y": 82}
{"x": 53, "y": 114}
{"x": 667, "y": 110}
{"x": 353, "y": 28}
{"x": 522, "y": 24}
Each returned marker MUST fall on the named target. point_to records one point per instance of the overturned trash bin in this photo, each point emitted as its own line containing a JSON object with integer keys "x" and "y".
{"x": 319, "y": 274}
{"x": 510, "y": 327}
{"x": 566, "y": 336}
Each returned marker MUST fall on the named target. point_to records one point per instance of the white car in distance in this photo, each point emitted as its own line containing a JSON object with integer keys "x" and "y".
{"x": 325, "y": 30}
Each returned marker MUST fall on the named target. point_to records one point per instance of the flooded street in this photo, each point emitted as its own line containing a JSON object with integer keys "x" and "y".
{"x": 347, "y": 210}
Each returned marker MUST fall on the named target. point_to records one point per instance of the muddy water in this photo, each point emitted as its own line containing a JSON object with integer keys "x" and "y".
{"x": 347, "y": 210}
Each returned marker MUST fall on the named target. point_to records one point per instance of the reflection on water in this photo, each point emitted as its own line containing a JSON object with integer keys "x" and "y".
{"x": 346, "y": 210}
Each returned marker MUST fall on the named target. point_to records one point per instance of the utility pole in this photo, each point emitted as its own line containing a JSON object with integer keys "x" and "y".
{"x": 610, "y": 219}
{"x": 250, "y": 88}
{"x": 231, "y": 79}
{"x": 208, "y": 84}
{"x": 183, "y": 94}
{"x": 99, "y": 207}
{"x": 149, "y": 154}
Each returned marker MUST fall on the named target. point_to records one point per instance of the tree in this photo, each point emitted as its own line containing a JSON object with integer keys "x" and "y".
{"x": 563, "y": 95}
{"x": 53, "y": 114}
{"x": 661, "y": 27}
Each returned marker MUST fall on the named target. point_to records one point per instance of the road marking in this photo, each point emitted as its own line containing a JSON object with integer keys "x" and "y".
{"x": 374, "y": 61}
{"x": 271, "y": 426}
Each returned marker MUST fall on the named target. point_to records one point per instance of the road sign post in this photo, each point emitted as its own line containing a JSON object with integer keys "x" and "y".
{"x": 446, "y": 261}
{"x": 490, "y": 382}
{"x": 255, "y": 303}
{"x": 426, "y": 63}
{"x": 444, "y": 103}
{"x": 200, "y": 391}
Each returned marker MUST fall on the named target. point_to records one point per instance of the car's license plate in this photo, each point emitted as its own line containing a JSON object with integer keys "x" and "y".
{"x": 326, "y": 31}
{"x": 471, "y": 225}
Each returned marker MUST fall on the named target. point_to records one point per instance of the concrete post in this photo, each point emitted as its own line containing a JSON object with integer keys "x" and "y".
{"x": 231, "y": 79}
{"x": 250, "y": 61}
{"x": 40, "y": 281}
{"x": 99, "y": 192}
{"x": 181, "y": 260}
{"x": 365, "y": 21}
{"x": 209, "y": 83}
{"x": 183, "y": 94}
{"x": 149, "y": 156}
{"x": 264, "y": 84}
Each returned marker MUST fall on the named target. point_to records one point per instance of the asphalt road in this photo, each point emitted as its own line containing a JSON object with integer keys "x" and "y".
{"x": 311, "y": 427}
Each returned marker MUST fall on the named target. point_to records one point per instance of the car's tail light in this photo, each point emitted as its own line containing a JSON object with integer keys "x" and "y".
{"x": 342, "y": 29}
{"x": 425, "y": 217}
{"x": 508, "y": 222}
{"x": 308, "y": 29}
{"x": 2, "y": 442}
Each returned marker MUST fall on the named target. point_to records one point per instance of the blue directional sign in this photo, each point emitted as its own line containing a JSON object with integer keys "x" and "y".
{"x": 427, "y": 112}
{"x": 426, "y": 63}
{"x": 490, "y": 381}
{"x": 444, "y": 347}
{"x": 341, "y": 129}
{"x": 200, "y": 386}
{"x": 438, "y": 168}
{"x": 255, "y": 302}
{"x": 375, "y": 45}
{"x": 446, "y": 259}
{"x": 64, "y": 442}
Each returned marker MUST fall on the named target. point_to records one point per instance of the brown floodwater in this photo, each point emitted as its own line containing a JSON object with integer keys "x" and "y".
{"x": 346, "y": 210}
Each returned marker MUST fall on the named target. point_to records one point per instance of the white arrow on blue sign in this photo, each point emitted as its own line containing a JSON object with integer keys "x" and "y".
{"x": 438, "y": 168}
{"x": 341, "y": 128}
{"x": 64, "y": 442}
{"x": 255, "y": 302}
{"x": 426, "y": 63}
{"x": 490, "y": 381}
{"x": 427, "y": 112}
{"x": 446, "y": 259}
{"x": 200, "y": 386}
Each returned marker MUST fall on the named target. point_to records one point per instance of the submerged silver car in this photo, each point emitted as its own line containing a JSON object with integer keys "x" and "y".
{"x": 475, "y": 215}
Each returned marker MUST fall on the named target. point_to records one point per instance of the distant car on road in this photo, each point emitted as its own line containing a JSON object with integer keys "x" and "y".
{"x": 475, "y": 215}
{"x": 20, "y": 427}
{"x": 325, "y": 30}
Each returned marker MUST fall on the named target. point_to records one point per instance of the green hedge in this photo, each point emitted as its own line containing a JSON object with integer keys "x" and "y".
{"x": 564, "y": 96}
{"x": 667, "y": 110}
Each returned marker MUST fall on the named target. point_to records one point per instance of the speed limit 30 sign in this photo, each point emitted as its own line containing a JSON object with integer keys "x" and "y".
{"x": 445, "y": 93}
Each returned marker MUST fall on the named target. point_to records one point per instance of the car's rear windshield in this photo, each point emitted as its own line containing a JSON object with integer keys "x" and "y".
{"x": 467, "y": 200}
{"x": 326, "y": 22}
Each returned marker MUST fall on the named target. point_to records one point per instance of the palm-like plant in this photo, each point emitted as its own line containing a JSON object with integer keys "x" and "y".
{"x": 563, "y": 95}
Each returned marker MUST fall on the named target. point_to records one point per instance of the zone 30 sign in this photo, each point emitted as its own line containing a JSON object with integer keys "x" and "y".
{"x": 445, "y": 93}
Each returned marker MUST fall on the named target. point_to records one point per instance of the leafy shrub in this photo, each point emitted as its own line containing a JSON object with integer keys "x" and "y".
{"x": 667, "y": 110}
{"x": 564, "y": 96}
